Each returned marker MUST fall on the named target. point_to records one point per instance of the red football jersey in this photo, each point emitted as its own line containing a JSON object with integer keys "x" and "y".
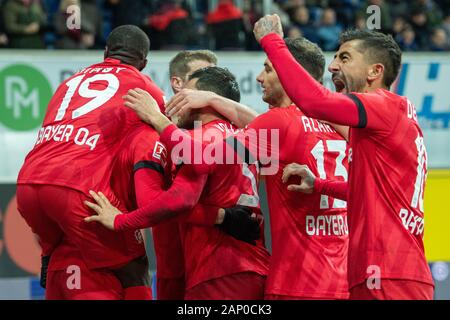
{"x": 140, "y": 149}
{"x": 85, "y": 122}
{"x": 388, "y": 168}
{"x": 209, "y": 252}
{"x": 309, "y": 232}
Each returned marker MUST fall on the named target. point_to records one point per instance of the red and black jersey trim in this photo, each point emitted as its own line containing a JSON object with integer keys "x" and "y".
{"x": 362, "y": 114}
{"x": 241, "y": 150}
{"x": 149, "y": 165}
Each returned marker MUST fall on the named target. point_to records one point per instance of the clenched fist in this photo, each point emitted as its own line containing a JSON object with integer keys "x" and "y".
{"x": 267, "y": 24}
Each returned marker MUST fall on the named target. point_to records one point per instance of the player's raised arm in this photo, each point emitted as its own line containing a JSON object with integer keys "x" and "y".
{"x": 311, "y": 97}
{"x": 188, "y": 99}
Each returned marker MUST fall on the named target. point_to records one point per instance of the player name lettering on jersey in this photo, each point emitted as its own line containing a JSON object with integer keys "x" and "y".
{"x": 115, "y": 70}
{"x": 411, "y": 109}
{"x": 66, "y": 133}
{"x": 412, "y": 222}
{"x": 313, "y": 125}
{"x": 326, "y": 225}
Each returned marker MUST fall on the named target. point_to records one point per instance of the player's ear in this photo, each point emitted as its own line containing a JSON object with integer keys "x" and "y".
{"x": 376, "y": 71}
{"x": 176, "y": 84}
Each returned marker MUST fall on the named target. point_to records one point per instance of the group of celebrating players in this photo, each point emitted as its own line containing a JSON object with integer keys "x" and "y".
{"x": 344, "y": 174}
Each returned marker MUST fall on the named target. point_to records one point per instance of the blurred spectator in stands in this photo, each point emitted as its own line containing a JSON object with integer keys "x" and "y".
{"x": 77, "y": 38}
{"x": 399, "y": 8}
{"x": 226, "y": 26}
{"x": 439, "y": 40}
{"x": 24, "y": 21}
{"x": 130, "y": 12}
{"x": 360, "y": 23}
{"x": 398, "y": 26}
{"x": 446, "y": 25}
{"x": 421, "y": 27}
{"x": 431, "y": 10}
{"x": 301, "y": 20}
{"x": 445, "y": 7}
{"x": 290, "y": 6}
{"x": 329, "y": 31}
{"x": 345, "y": 10}
{"x": 294, "y": 32}
{"x": 407, "y": 39}
{"x": 284, "y": 17}
{"x": 251, "y": 12}
{"x": 92, "y": 24}
{"x": 3, "y": 37}
{"x": 172, "y": 26}
{"x": 385, "y": 12}
{"x": 68, "y": 38}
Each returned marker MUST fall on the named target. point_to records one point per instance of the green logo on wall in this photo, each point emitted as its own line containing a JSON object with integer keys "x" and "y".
{"x": 24, "y": 95}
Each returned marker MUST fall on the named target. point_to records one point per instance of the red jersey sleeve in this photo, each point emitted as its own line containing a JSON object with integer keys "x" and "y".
{"x": 148, "y": 185}
{"x": 314, "y": 99}
{"x": 150, "y": 156}
{"x": 182, "y": 196}
{"x": 378, "y": 110}
{"x": 332, "y": 188}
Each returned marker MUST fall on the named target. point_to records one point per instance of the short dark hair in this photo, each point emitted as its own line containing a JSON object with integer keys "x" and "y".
{"x": 378, "y": 48}
{"x": 218, "y": 80}
{"x": 179, "y": 64}
{"x": 309, "y": 55}
{"x": 129, "y": 44}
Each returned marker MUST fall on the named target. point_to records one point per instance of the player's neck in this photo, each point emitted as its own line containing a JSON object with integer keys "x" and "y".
{"x": 284, "y": 102}
{"x": 371, "y": 87}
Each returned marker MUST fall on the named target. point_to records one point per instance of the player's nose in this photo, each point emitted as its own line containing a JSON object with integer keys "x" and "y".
{"x": 334, "y": 66}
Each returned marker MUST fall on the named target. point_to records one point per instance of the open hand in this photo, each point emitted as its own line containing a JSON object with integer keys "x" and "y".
{"x": 106, "y": 212}
{"x": 188, "y": 99}
{"x": 141, "y": 102}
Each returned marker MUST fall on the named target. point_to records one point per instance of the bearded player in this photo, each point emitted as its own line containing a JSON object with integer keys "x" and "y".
{"x": 388, "y": 159}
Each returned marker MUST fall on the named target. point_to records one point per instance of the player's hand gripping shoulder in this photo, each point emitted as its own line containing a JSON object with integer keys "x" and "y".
{"x": 267, "y": 24}
{"x": 307, "y": 178}
{"x": 188, "y": 99}
{"x": 106, "y": 212}
{"x": 141, "y": 102}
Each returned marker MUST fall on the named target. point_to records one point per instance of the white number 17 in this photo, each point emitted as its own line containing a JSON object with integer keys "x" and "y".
{"x": 318, "y": 153}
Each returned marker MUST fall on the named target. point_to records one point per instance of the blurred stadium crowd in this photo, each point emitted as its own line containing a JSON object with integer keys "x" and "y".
{"x": 417, "y": 25}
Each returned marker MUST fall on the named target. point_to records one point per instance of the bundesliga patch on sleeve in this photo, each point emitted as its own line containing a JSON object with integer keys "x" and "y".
{"x": 160, "y": 153}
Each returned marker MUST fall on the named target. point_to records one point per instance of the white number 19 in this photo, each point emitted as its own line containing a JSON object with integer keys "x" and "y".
{"x": 100, "y": 97}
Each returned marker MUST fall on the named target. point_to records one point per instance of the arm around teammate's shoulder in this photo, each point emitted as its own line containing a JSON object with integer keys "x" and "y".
{"x": 188, "y": 99}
